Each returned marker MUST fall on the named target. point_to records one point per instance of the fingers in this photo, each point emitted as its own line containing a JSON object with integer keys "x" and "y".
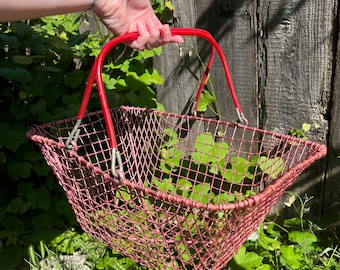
{"x": 151, "y": 36}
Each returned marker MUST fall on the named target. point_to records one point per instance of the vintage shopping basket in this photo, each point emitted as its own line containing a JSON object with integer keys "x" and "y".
{"x": 170, "y": 191}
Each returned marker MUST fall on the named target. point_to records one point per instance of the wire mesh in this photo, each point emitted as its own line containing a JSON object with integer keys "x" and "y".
{"x": 191, "y": 191}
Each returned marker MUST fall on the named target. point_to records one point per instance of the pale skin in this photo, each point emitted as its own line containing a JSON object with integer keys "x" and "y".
{"x": 119, "y": 16}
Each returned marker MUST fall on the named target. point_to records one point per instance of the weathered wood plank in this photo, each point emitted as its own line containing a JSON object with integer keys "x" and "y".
{"x": 232, "y": 25}
{"x": 332, "y": 183}
{"x": 296, "y": 58}
{"x": 180, "y": 84}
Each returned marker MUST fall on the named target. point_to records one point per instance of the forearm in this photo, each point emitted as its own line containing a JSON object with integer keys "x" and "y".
{"x": 12, "y": 10}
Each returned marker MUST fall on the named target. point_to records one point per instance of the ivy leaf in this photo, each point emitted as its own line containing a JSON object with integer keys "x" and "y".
{"x": 172, "y": 156}
{"x": 22, "y": 59}
{"x": 219, "y": 151}
{"x": 205, "y": 100}
{"x": 38, "y": 107}
{"x": 11, "y": 137}
{"x": 11, "y": 41}
{"x": 19, "y": 111}
{"x": 305, "y": 239}
{"x": 17, "y": 205}
{"x": 183, "y": 187}
{"x": 145, "y": 54}
{"x": 167, "y": 12}
{"x": 238, "y": 171}
{"x": 78, "y": 39}
{"x": 306, "y": 127}
{"x": 155, "y": 78}
{"x": 247, "y": 260}
{"x": 171, "y": 137}
{"x": 200, "y": 193}
{"x": 166, "y": 185}
{"x": 270, "y": 166}
{"x": 223, "y": 198}
{"x": 74, "y": 79}
{"x": 290, "y": 257}
{"x": 39, "y": 198}
{"x": 204, "y": 144}
{"x": 13, "y": 224}
{"x": 16, "y": 74}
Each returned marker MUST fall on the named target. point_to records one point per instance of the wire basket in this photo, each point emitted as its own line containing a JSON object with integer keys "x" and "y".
{"x": 170, "y": 191}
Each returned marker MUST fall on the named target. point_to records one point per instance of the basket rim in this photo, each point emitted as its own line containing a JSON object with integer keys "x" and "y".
{"x": 30, "y": 132}
{"x": 279, "y": 183}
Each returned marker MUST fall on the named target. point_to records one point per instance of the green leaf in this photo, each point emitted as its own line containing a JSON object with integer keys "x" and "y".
{"x": 39, "y": 197}
{"x": 10, "y": 259}
{"x": 13, "y": 224}
{"x": 166, "y": 185}
{"x": 290, "y": 257}
{"x": 74, "y": 79}
{"x": 204, "y": 142}
{"x": 17, "y": 169}
{"x": 205, "y": 100}
{"x": 78, "y": 39}
{"x": 17, "y": 205}
{"x": 183, "y": 187}
{"x": 16, "y": 74}
{"x": 60, "y": 45}
{"x": 172, "y": 156}
{"x": 203, "y": 146}
{"x": 269, "y": 243}
{"x": 171, "y": 137}
{"x": 22, "y": 59}
{"x": 38, "y": 107}
{"x": 294, "y": 222}
{"x": 247, "y": 260}
{"x": 304, "y": 239}
{"x": 271, "y": 166}
{"x": 11, "y": 137}
{"x": 200, "y": 193}
{"x": 11, "y": 41}
{"x": 264, "y": 267}
{"x": 238, "y": 171}
{"x": 306, "y": 127}
{"x": 167, "y": 12}
{"x": 223, "y": 198}
{"x": 219, "y": 151}
{"x": 145, "y": 54}
{"x": 123, "y": 194}
{"x": 155, "y": 78}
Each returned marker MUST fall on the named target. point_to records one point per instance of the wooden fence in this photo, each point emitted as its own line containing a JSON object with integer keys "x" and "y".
{"x": 283, "y": 59}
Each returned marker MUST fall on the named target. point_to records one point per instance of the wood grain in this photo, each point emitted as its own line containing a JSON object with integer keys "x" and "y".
{"x": 296, "y": 55}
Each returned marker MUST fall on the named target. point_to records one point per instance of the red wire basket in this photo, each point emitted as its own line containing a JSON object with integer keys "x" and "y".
{"x": 170, "y": 191}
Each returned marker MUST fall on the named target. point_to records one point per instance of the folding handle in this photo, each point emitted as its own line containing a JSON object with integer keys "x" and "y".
{"x": 96, "y": 74}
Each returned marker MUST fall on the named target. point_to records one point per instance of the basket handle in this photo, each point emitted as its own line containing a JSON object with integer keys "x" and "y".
{"x": 96, "y": 74}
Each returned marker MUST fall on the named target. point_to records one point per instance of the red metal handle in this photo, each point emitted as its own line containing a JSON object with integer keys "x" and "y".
{"x": 96, "y": 73}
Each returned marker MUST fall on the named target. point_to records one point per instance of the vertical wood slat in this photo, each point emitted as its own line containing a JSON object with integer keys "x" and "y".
{"x": 232, "y": 25}
{"x": 280, "y": 56}
{"x": 332, "y": 183}
{"x": 295, "y": 89}
{"x": 173, "y": 65}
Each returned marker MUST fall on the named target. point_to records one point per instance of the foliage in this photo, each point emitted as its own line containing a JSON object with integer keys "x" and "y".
{"x": 295, "y": 244}
{"x": 74, "y": 245}
{"x": 43, "y": 70}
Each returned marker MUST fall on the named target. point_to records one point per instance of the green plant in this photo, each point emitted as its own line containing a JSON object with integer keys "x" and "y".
{"x": 295, "y": 244}
{"x": 43, "y": 71}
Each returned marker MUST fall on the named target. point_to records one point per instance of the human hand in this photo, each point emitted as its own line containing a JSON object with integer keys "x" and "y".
{"x": 124, "y": 16}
